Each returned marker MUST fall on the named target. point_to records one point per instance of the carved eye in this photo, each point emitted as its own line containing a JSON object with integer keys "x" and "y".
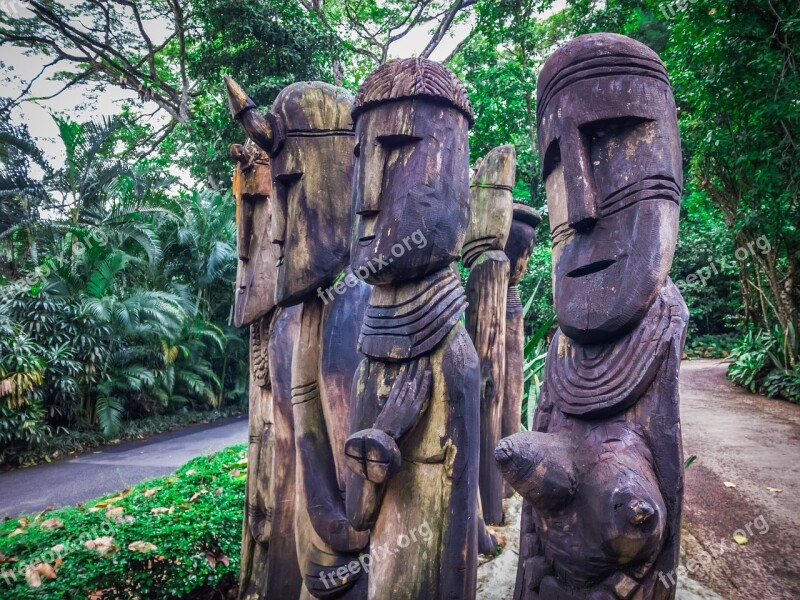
{"x": 551, "y": 158}
{"x": 598, "y": 133}
{"x": 288, "y": 179}
{"x": 393, "y": 142}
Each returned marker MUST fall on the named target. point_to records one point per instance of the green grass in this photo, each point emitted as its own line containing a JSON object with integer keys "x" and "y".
{"x": 193, "y": 518}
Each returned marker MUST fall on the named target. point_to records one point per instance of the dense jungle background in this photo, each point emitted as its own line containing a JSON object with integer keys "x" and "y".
{"x": 118, "y": 248}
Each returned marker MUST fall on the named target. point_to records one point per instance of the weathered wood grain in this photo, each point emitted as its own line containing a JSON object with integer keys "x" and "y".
{"x": 490, "y": 223}
{"x": 269, "y": 557}
{"x": 519, "y": 247}
{"x": 486, "y": 324}
{"x": 312, "y": 171}
{"x": 326, "y": 540}
{"x": 602, "y": 472}
{"x": 308, "y": 134}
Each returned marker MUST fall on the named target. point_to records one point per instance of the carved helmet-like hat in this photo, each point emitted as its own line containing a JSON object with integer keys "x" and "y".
{"x": 593, "y": 56}
{"x": 413, "y": 78}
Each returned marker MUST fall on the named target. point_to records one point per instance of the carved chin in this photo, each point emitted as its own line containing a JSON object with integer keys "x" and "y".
{"x": 605, "y": 304}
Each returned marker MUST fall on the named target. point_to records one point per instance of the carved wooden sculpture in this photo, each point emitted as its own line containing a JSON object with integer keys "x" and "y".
{"x": 490, "y": 222}
{"x": 414, "y": 450}
{"x": 519, "y": 246}
{"x": 269, "y": 557}
{"x": 309, "y": 136}
{"x": 602, "y": 474}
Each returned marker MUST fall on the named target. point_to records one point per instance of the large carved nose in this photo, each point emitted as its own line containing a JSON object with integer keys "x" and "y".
{"x": 578, "y": 181}
{"x": 374, "y": 171}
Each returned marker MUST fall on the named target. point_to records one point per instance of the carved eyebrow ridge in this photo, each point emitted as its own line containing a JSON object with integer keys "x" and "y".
{"x": 560, "y": 233}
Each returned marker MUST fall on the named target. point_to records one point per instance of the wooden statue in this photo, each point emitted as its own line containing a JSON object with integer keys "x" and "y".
{"x": 490, "y": 222}
{"x": 309, "y": 136}
{"x": 269, "y": 557}
{"x": 602, "y": 472}
{"x": 414, "y": 450}
{"x": 519, "y": 247}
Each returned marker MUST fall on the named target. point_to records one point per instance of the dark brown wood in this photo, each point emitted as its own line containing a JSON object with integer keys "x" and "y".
{"x": 605, "y": 455}
{"x": 490, "y": 222}
{"x": 309, "y": 135}
{"x": 323, "y": 372}
{"x": 519, "y": 247}
{"x": 413, "y": 456}
{"x": 269, "y": 557}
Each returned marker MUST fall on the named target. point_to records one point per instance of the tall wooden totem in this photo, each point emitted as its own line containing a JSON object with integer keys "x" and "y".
{"x": 490, "y": 222}
{"x": 309, "y": 136}
{"x": 602, "y": 472}
{"x": 269, "y": 556}
{"x": 521, "y": 240}
{"x": 414, "y": 451}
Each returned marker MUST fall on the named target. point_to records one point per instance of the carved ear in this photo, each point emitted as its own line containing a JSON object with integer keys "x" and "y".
{"x": 538, "y": 466}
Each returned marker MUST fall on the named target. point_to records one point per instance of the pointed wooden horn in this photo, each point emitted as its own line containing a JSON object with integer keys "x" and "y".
{"x": 257, "y": 127}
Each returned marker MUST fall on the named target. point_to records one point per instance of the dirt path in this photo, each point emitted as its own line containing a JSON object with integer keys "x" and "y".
{"x": 739, "y": 438}
{"x": 753, "y": 443}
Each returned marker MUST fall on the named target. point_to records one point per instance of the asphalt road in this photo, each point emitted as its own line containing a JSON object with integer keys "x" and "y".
{"x": 112, "y": 468}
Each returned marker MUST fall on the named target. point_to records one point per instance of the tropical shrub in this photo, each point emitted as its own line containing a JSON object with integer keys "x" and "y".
{"x": 172, "y": 537}
{"x": 762, "y": 363}
{"x": 119, "y": 306}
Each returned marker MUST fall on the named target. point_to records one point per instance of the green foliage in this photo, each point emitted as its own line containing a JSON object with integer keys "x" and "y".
{"x": 121, "y": 309}
{"x": 735, "y": 70}
{"x": 709, "y": 346}
{"x": 534, "y": 355}
{"x": 193, "y": 518}
{"x": 761, "y": 364}
{"x": 266, "y": 45}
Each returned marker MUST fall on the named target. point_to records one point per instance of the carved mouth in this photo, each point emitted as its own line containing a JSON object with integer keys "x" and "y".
{"x": 279, "y": 264}
{"x": 595, "y": 267}
{"x": 366, "y": 240}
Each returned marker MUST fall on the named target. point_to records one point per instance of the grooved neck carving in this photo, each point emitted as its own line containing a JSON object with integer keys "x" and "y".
{"x": 408, "y": 320}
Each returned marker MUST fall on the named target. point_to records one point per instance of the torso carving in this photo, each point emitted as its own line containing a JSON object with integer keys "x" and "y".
{"x": 521, "y": 240}
{"x": 487, "y": 287}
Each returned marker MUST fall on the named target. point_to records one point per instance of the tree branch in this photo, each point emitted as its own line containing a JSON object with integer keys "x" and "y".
{"x": 444, "y": 26}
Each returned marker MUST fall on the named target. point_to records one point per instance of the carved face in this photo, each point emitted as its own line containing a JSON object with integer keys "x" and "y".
{"x": 610, "y": 148}
{"x": 411, "y": 190}
{"x": 491, "y": 203}
{"x": 312, "y": 185}
{"x": 257, "y": 271}
{"x": 521, "y": 240}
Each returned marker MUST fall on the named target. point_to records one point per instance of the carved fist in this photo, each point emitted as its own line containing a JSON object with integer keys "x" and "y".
{"x": 373, "y": 455}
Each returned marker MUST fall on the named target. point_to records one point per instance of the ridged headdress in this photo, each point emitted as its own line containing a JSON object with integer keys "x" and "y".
{"x": 413, "y": 78}
{"x": 594, "y": 56}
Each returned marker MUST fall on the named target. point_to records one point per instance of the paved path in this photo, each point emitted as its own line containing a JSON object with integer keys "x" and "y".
{"x": 113, "y": 468}
{"x": 753, "y": 443}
